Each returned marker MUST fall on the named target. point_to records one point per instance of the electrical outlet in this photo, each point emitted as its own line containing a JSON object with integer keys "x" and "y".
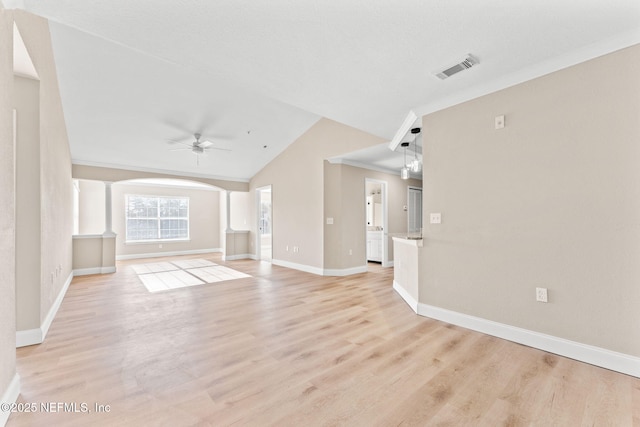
{"x": 435, "y": 218}
{"x": 541, "y": 295}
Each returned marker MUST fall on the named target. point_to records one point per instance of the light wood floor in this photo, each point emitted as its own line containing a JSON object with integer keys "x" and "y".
{"x": 288, "y": 348}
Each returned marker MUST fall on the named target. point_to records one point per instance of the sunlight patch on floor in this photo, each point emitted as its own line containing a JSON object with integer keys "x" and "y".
{"x": 161, "y": 276}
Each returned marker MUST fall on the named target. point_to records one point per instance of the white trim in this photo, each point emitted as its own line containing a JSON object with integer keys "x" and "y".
{"x": 356, "y": 164}
{"x": 29, "y": 337}
{"x": 406, "y": 126}
{"x": 604, "y": 358}
{"x": 237, "y": 257}
{"x": 37, "y": 335}
{"x": 345, "y": 271}
{"x": 87, "y": 236}
{"x": 387, "y": 264}
{"x": 384, "y": 187}
{"x": 172, "y": 253}
{"x": 10, "y": 395}
{"x": 405, "y": 296}
{"x": 306, "y": 268}
{"x": 54, "y": 308}
{"x": 94, "y": 270}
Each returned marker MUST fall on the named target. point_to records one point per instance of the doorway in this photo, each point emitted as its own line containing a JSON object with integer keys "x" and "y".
{"x": 264, "y": 243}
{"x": 376, "y": 223}
{"x": 414, "y": 212}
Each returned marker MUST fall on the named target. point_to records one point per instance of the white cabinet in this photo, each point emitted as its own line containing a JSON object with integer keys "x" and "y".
{"x": 374, "y": 246}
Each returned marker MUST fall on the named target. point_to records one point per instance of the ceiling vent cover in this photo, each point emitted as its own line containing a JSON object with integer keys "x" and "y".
{"x": 467, "y": 63}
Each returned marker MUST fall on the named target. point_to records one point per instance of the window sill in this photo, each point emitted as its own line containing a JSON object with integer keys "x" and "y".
{"x": 155, "y": 241}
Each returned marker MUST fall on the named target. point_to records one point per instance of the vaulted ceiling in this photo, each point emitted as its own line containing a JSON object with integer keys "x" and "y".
{"x": 252, "y": 76}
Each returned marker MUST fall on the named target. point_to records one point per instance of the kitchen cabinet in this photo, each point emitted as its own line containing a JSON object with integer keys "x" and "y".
{"x": 374, "y": 246}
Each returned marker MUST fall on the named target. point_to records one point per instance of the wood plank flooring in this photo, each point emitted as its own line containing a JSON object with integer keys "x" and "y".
{"x": 288, "y": 348}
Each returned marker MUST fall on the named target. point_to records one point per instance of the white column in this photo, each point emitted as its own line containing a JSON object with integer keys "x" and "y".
{"x": 228, "y": 211}
{"x": 108, "y": 227}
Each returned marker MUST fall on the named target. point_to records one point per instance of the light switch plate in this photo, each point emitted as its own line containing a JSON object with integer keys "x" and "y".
{"x": 499, "y": 122}
{"x": 329, "y": 221}
{"x": 435, "y": 218}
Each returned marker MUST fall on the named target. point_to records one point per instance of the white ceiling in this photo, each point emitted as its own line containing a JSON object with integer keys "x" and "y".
{"x": 134, "y": 74}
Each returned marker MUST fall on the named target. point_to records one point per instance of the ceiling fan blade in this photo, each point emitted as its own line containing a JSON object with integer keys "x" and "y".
{"x": 205, "y": 144}
{"x": 174, "y": 142}
{"x": 216, "y": 148}
{"x": 180, "y": 149}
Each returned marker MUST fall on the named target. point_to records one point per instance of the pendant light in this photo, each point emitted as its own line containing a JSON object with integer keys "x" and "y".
{"x": 416, "y": 164}
{"x": 404, "y": 172}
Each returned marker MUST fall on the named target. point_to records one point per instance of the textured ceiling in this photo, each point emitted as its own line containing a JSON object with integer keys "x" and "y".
{"x": 136, "y": 73}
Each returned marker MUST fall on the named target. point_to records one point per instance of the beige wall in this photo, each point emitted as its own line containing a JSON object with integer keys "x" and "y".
{"x": 7, "y": 207}
{"x": 47, "y": 235}
{"x": 240, "y": 210}
{"x": 552, "y": 200}
{"x": 297, "y": 179}
{"x": 28, "y": 234}
{"x": 94, "y": 254}
{"x": 344, "y": 198}
{"x": 204, "y": 219}
{"x": 91, "y": 207}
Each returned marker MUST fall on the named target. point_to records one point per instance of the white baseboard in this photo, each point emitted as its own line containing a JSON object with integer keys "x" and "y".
{"x": 10, "y": 395}
{"x": 387, "y": 264}
{"x": 173, "y": 253}
{"x": 237, "y": 257}
{"x": 345, "y": 271}
{"x": 604, "y": 358}
{"x": 405, "y": 296}
{"x": 37, "y": 335}
{"x": 302, "y": 267}
{"x": 29, "y": 337}
{"x": 95, "y": 270}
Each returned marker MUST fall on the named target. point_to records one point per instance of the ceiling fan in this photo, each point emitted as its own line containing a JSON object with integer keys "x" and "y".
{"x": 198, "y": 147}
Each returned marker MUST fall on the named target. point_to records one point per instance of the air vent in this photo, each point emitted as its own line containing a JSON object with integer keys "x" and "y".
{"x": 467, "y": 63}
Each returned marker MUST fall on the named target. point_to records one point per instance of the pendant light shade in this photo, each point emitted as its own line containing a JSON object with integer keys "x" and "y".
{"x": 404, "y": 173}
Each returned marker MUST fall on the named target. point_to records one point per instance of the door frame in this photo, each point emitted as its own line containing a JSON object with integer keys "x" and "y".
{"x": 258, "y": 241}
{"x": 385, "y": 219}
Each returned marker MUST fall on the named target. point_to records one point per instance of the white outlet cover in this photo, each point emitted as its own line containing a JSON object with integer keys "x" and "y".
{"x": 435, "y": 218}
{"x": 541, "y": 295}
